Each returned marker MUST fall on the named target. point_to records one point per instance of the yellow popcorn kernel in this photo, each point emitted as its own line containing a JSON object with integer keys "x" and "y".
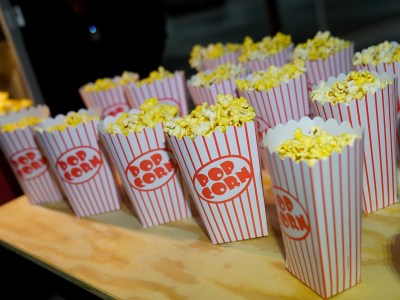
{"x": 8, "y": 105}
{"x": 151, "y": 113}
{"x": 385, "y": 52}
{"x": 266, "y": 47}
{"x": 128, "y": 77}
{"x": 156, "y": 75}
{"x": 354, "y": 87}
{"x": 204, "y": 119}
{"x": 272, "y": 77}
{"x": 315, "y": 145}
{"x": 73, "y": 120}
{"x": 219, "y": 74}
{"x": 322, "y": 45}
{"x": 101, "y": 84}
{"x": 22, "y": 123}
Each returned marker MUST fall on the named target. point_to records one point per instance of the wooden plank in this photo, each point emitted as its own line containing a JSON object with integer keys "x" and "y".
{"x": 115, "y": 256}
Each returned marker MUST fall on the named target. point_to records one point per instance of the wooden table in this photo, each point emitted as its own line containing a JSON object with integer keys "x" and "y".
{"x": 114, "y": 257}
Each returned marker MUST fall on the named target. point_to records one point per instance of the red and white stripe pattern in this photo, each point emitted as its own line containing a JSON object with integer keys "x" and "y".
{"x": 209, "y": 64}
{"x": 277, "y": 59}
{"x": 165, "y": 198}
{"x": 333, "y": 65}
{"x": 392, "y": 69}
{"x": 209, "y": 94}
{"x": 231, "y": 209}
{"x": 169, "y": 90}
{"x": 319, "y": 210}
{"x": 95, "y": 194}
{"x": 30, "y": 166}
{"x": 288, "y": 101}
{"x": 111, "y": 101}
{"x": 377, "y": 114}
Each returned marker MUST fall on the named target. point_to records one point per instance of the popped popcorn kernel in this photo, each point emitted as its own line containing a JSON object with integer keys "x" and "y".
{"x": 322, "y": 45}
{"x": 103, "y": 84}
{"x": 21, "y": 124}
{"x": 354, "y": 87}
{"x": 204, "y": 120}
{"x": 151, "y": 113}
{"x": 272, "y": 77}
{"x": 156, "y": 75}
{"x": 266, "y": 47}
{"x": 8, "y": 105}
{"x": 73, "y": 120}
{"x": 219, "y": 74}
{"x": 316, "y": 144}
{"x": 385, "y": 52}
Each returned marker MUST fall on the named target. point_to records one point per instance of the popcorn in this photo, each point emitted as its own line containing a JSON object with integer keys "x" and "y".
{"x": 73, "y": 119}
{"x": 156, "y": 75}
{"x": 203, "y": 120}
{"x": 8, "y": 105}
{"x": 321, "y": 46}
{"x": 21, "y": 124}
{"x": 316, "y": 145}
{"x": 219, "y": 74}
{"x": 266, "y": 47}
{"x": 386, "y": 52}
{"x": 272, "y": 77}
{"x": 212, "y": 51}
{"x": 151, "y": 113}
{"x": 103, "y": 84}
{"x": 355, "y": 86}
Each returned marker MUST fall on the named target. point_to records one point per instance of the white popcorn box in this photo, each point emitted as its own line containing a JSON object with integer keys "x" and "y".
{"x": 278, "y": 59}
{"x": 223, "y": 174}
{"x": 111, "y": 101}
{"x": 150, "y": 174}
{"x": 169, "y": 90}
{"x": 390, "y": 68}
{"x": 209, "y": 94}
{"x": 209, "y": 63}
{"x": 80, "y": 165}
{"x": 377, "y": 114}
{"x": 26, "y": 159}
{"x": 319, "y": 209}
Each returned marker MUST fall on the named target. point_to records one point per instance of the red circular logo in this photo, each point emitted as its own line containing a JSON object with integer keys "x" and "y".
{"x": 79, "y": 165}
{"x": 223, "y": 179}
{"x": 28, "y": 163}
{"x": 170, "y": 101}
{"x": 115, "y": 109}
{"x": 292, "y": 216}
{"x": 151, "y": 170}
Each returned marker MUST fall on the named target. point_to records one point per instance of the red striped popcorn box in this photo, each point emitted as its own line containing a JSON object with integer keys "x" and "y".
{"x": 150, "y": 174}
{"x": 277, "y": 59}
{"x": 169, "y": 90}
{"x": 111, "y": 101}
{"x": 319, "y": 208}
{"x": 377, "y": 114}
{"x": 80, "y": 165}
{"x": 223, "y": 174}
{"x": 212, "y": 63}
{"x": 26, "y": 159}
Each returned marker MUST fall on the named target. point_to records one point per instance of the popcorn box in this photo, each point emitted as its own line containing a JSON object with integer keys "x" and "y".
{"x": 80, "y": 165}
{"x": 212, "y": 63}
{"x": 377, "y": 114}
{"x": 223, "y": 174}
{"x": 111, "y": 101}
{"x": 169, "y": 90}
{"x": 319, "y": 209}
{"x": 26, "y": 159}
{"x": 278, "y": 59}
{"x": 150, "y": 174}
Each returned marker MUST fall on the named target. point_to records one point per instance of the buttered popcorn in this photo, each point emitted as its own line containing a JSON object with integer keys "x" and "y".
{"x": 212, "y": 51}
{"x": 22, "y": 123}
{"x": 355, "y": 86}
{"x": 103, "y": 84}
{"x": 315, "y": 145}
{"x": 156, "y": 75}
{"x": 203, "y": 120}
{"x": 151, "y": 113}
{"x": 73, "y": 120}
{"x": 266, "y": 47}
{"x": 219, "y": 74}
{"x": 386, "y": 52}
{"x": 272, "y": 77}
{"x": 322, "y": 45}
{"x": 8, "y": 105}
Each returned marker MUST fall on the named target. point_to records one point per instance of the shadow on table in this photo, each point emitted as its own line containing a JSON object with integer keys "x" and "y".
{"x": 394, "y": 253}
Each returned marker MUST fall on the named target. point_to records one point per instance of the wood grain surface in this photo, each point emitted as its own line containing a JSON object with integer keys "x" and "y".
{"x": 117, "y": 258}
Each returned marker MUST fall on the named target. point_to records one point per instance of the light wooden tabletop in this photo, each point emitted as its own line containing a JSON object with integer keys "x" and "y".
{"x": 114, "y": 257}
